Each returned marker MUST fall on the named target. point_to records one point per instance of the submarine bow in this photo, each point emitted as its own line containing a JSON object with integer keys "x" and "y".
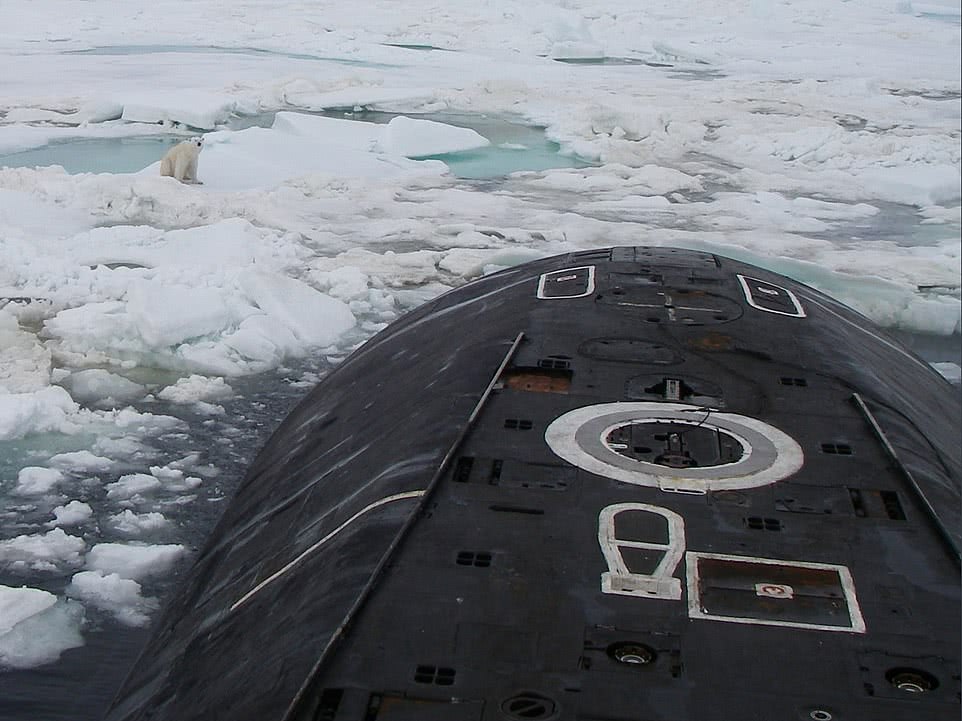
{"x": 632, "y": 484}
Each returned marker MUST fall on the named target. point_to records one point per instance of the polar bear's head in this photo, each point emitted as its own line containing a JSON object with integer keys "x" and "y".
{"x": 197, "y": 141}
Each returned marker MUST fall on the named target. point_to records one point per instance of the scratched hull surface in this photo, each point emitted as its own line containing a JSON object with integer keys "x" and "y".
{"x": 637, "y": 483}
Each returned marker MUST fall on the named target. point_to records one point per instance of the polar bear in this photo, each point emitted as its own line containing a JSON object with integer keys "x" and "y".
{"x": 181, "y": 161}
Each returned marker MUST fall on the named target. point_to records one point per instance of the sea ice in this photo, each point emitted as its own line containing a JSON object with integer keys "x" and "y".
{"x": 49, "y": 409}
{"x": 72, "y": 514}
{"x": 42, "y": 551}
{"x": 102, "y": 388}
{"x": 132, "y": 486}
{"x": 17, "y": 604}
{"x": 262, "y": 158}
{"x": 472, "y": 263}
{"x": 313, "y": 318}
{"x": 81, "y": 462}
{"x": 33, "y": 481}
{"x": 24, "y": 362}
{"x": 35, "y": 628}
{"x": 121, "y": 597}
{"x": 93, "y": 112}
{"x": 196, "y": 388}
{"x": 129, "y": 523}
{"x": 175, "y": 479}
{"x": 414, "y": 138}
{"x": 302, "y": 93}
{"x": 193, "y": 108}
{"x": 134, "y": 560}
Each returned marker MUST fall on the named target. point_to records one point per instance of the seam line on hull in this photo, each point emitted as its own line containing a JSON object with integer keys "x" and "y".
{"x": 274, "y": 576}
{"x": 425, "y": 495}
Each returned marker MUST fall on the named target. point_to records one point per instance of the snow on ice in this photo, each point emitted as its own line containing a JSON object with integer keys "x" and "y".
{"x": 35, "y": 628}
{"x": 134, "y": 561}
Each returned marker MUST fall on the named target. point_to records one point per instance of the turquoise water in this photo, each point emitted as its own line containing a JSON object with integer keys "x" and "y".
{"x": 95, "y": 155}
{"x": 514, "y": 147}
{"x": 494, "y": 162}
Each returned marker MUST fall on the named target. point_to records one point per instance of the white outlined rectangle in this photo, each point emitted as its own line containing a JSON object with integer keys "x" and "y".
{"x": 585, "y": 274}
{"x": 753, "y": 301}
{"x": 846, "y": 584}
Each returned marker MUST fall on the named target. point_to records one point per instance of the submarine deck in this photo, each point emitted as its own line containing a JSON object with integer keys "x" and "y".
{"x": 632, "y": 484}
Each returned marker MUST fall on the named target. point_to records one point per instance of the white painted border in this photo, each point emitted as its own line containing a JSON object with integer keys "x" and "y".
{"x": 561, "y": 438}
{"x": 799, "y": 310}
{"x": 274, "y": 576}
{"x": 544, "y": 279}
{"x": 845, "y": 578}
{"x": 618, "y": 579}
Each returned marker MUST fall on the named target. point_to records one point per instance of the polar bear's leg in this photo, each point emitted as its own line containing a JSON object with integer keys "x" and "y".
{"x": 180, "y": 166}
{"x": 191, "y": 172}
{"x": 167, "y": 166}
{"x": 186, "y": 168}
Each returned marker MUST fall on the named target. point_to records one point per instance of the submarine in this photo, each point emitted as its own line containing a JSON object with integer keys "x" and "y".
{"x": 624, "y": 484}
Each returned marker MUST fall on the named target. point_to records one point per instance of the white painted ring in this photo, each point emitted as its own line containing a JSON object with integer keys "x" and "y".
{"x": 769, "y": 453}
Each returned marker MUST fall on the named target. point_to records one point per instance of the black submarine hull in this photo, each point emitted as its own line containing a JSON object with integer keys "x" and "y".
{"x": 634, "y": 484}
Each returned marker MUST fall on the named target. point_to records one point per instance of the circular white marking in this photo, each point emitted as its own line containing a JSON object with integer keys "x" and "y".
{"x": 580, "y": 437}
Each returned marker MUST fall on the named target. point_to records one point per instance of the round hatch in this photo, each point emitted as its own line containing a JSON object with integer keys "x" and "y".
{"x": 674, "y": 446}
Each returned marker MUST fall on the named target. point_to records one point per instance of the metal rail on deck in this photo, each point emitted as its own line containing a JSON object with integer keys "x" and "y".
{"x": 405, "y": 529}
{"x": 943, "y": 532}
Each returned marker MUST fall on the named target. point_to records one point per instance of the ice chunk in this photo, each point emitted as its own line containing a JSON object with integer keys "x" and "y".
{"x": 134, "y": 560}
{"x": 35, "y": 628}
{"x": 419, "y": 138}
{"x": 35, "y": 481}
{"x": 193, "y": 108}
{"x": 109, "y": 592}
{"x": 24, "y": 361}
{"x": 98, "y": 111}
{"x": 97, "y": 386}
{"x": 71, "y": 514}
{"x": 470, "y": 263}
{"x": 918, "y": 184}
{"x": 48, "y": 409}
{"x": 346, "y": 283}
{"x": 129, "y": 523}
{"x": 344, "y": 134}
{"x": 129, "y": 486}
{"x": 92, "y": 112}
{"x": 300, "y": 94}
{"x": 188, "y": 252}
{"x": 313, "y": 318}
{"x": 676, "y": 53}
{"x": 196, "y": 388}
{"x": 168, "y": 315}
{"x": 42, "y": 551}
{"x": 81, "y": 461}
{"x": 17, "y": 604}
